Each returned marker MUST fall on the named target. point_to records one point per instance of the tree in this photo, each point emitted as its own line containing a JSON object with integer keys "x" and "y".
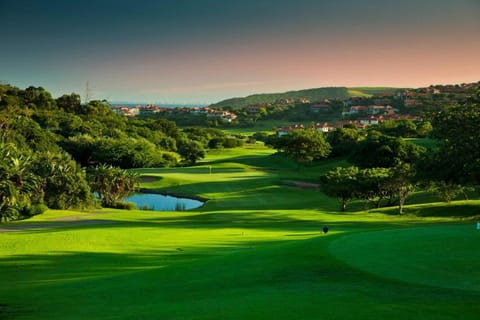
{"x": 372, "y": 182}
{"x": 447, "y": 190}
{"x": 25, "y": 133}
{"x": 400, "y": 128}
{"x": 64, "y": 184}
{"x": 69, "y": 102}
{"x": 400, "y": 183}
{"x": 304, "y": 145}
{"x": 381, "y": 151}
{"x": 191, "y": 151}
{"x": 111, "y": 184}
{"x": 121, "y": 152}
{"x": 424, "y": 129}
{"x": 18, "y": 184}
{"x": 341, "y": 183}
{"x": 343, "y": 140}
{"x": 38, "y": 98}
{"x": 458, "y": 128}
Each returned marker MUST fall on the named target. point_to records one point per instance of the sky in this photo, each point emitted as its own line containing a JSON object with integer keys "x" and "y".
{"x": 203, "y": 51}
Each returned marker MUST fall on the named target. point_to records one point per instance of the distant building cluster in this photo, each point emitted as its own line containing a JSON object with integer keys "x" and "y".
{"x": 437, "y": 95}
{"x": 369, "y": 110}
{"x": 358, "y": 111}
{"x": 360, "y": 123}
{"x": 153, "y": 109}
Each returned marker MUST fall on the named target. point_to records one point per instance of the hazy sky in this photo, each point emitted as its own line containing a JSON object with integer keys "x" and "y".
{"x": 201, "y": 51}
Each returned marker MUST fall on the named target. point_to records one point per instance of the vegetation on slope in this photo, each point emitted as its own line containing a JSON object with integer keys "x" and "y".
{"x": 311, "y": 94}
{"x": 371, "y": 91}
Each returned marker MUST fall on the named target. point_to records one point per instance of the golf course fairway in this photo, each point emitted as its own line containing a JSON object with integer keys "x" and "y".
{"x": 255, "y": 250}
{"x": 444, "y": 256}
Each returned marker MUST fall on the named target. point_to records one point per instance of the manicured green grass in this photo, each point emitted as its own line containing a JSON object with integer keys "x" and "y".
{"x": 255, "y": 250}
{"x": 268, "y": 126}
{"x": 444, "y": 256}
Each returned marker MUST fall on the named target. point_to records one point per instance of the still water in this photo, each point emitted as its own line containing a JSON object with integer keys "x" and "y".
{"x": 160, "y": 202}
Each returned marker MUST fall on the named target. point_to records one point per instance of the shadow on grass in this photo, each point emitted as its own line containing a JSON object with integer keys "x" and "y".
{"x": 98, "y": 283}
{"x": 249, "y": 220}
{"x": 201, "y": 169}
{"x": 235, "y": 183}
{"x": 270, "y": 162}
{"x": 163, "y": 284}
{"x": 460, "y": 209}
{"x": 250, "y": 193}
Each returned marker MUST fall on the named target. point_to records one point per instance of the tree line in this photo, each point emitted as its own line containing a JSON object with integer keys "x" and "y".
{"x": 54, "y": 152}
{"x": 385, "y": 167}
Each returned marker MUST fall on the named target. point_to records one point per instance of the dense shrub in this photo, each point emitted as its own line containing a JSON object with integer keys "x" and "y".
{"x": 123, "y": 205}
{"x": 36, "y": 209}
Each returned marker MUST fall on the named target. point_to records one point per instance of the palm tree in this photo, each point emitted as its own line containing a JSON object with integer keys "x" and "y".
{"x": 18, "y": 183}
{"x": 64, "y": 183}
{"x": 112, "y": 184}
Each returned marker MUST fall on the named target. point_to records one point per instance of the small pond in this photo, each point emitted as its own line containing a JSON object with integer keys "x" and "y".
{"x": 160, "y": 202}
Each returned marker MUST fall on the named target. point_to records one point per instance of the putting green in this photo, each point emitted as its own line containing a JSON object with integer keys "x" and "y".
{"x": 445, "y": 256}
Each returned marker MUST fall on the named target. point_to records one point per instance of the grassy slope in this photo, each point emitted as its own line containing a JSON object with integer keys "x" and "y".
{"x": 252, "y": 252}
{"x": 312, "y": 94}
{"x": 452, "y": 251}
{"x": 369, "y": 91}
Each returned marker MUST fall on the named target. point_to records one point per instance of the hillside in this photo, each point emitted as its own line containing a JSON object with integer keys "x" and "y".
{"x": 370, "y": 91}
{"x": 310, "y": 94}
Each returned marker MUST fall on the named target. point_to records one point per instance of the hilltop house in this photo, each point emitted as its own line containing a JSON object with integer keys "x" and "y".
{"x": 218, "y": 114}
{"x": 356, "y": 123}
{"x": 126, "y": 111}
{"x": 324, "y": 127}
{"x": 322, "y": 106}
{"x": 371, "y": 120}
{"x": 285, "y": 101}
{"x": 353, "y": 110}
{"x": 255, "y": 108}
{"x": 286, "y": 130}
{"x": 376, "y": 109}
{"x": 303, "y": 100}
{"x": 198, "y": 110}
{"x": 149, "y": 109}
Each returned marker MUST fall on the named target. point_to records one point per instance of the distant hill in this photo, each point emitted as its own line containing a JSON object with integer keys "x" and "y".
{"x": 370, "y": 91}
{"x": 311, "y": 94}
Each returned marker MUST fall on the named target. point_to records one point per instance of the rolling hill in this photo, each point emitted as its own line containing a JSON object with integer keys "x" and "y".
{"x": 311, "y": 94}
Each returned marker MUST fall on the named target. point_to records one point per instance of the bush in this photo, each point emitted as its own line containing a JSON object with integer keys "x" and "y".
{"x": 29, "y": 211}
{"x": 124, "y": 205}
{"x": 37, "y": 209}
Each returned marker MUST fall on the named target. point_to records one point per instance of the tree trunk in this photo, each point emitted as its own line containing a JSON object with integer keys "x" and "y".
{"x": 402, "y": 197}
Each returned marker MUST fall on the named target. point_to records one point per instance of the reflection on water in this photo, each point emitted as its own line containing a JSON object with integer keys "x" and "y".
{"x": 160, "y": 202}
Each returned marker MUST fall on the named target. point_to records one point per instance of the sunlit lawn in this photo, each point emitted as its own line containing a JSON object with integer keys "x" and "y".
{"x": 255, "y": 250}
